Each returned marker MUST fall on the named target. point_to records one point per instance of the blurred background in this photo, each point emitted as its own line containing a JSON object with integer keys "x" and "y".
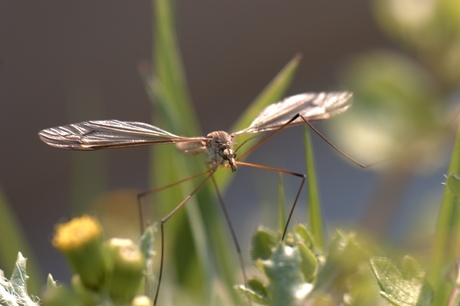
{"x": 64, "y": 62}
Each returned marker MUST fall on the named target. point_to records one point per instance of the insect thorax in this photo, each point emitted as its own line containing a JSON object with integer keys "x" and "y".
{"x": 219, "y": 147}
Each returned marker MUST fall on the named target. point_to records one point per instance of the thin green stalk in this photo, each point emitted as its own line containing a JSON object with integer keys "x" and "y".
{"x": 192, "y": 239}
{"x": 168, "y": 91}
{"x": 315, "y": 219}
{"x": 281, "y": 204}
{"x": 447, "y": 233}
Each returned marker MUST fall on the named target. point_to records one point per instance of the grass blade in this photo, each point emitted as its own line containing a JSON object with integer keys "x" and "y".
{"x": 189, "y": 237}
{"x": 315, "y": 218}
{"x": 272, "y": 93}
{"x": 447, "y": 233}
{"x": 281, "y": 204}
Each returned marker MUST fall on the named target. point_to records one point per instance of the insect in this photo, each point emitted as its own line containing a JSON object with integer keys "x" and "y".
{"x": 218, "y": 145}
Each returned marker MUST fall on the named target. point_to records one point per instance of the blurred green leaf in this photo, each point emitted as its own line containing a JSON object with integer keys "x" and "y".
{"x": 453, "y": 183}
{"x": 447, "y": 239}
{"x": 314, "y": 217}
{"x": 256, "y": 292}
{"x": 13, "y": 240}
{"x": 263, "y": 241}
{"x": 403, "y": 288}
{"x": 429, "y": 29}
{"x": 167, "y": 89}
{"x": 284, "y": 269}
{"x": 188, "y": 238}
{"x": 395, "y": 108}
{"x": 272, "y": 93}
{"x": 13, "y": 292}
{"x": 281, "y": 205}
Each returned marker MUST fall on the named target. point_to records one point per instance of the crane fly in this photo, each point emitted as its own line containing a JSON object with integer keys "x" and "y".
{"x": 294, "y": 110}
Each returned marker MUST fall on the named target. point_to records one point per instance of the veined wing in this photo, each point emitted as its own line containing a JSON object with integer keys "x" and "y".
{"x": 102, "y": 134}
{"x": 312, "y": 106}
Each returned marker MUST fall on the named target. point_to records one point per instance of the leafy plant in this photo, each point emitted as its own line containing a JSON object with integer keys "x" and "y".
{"x": 306, "y": 268}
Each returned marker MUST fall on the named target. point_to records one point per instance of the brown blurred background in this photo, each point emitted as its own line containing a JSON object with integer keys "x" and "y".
{"x": 69, "y": 61}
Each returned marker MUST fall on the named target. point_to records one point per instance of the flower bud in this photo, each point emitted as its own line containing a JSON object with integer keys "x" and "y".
{"x": 80, "y": 240}
{"x": 128, "y": 266}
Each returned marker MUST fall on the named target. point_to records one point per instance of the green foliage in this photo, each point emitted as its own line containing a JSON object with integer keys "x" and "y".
{"x": 405, "y": 287}
{"x": 12, "y": 240}
{"x": 305, "y": 268}
{"x": 453, "y": 183}
{"x": 314, "y": 217}
{"x": 401, "y": 97}
{"x": 13, "y": 292}
{"x": 192, "y": 241}
{"x": 123, "y": 266}
{"x": 298, "y": 272}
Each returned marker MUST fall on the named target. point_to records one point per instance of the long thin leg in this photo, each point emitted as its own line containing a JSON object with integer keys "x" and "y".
{"x": 340, "y": 151}
{"x": 148, "y": 192}
{"x": 229, "y": 223}
{"x": 270, "y": 135}
{"x": 168, "y": 216}
{"x": 303, "y": 176}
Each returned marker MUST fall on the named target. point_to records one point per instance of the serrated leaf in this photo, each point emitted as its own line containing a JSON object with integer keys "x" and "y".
{"x": 402, "y": 288}
{"x": 12, "y": 239}
{"x": 14, "y": 291}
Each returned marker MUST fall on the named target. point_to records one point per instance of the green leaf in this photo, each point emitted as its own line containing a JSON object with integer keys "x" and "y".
{"x": 50, "y": 282}
{"x": 284, "y": 269}
{"x": 447, "y": 237}
{"x": 281, "y": 205}
{"x": 146, "y": 247}
{"x": 12, "y": 240}
{"x": 272, "y": 93}
{"x": 146, "y": 243}
{"x": 263, "y": 241}
{"x": 256, "y": 292}
{"x": 57, "y": 295}
{"x": 13, "y": 292}
{"x": 304, "y": 234}
{"x": 314, "y": 206}
{"x": 403, "y": 288}
{"x": 309, "y": 263}
{"x": 188, "y": 238}
{"x": 453, "y": 182}
{"x": 395, "y": 101}
{"x": 344, "y": 257}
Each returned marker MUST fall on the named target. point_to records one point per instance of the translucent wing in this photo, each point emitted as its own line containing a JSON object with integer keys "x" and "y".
{"x": 102, "y": 134}
{"x": 313, "y": 106}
